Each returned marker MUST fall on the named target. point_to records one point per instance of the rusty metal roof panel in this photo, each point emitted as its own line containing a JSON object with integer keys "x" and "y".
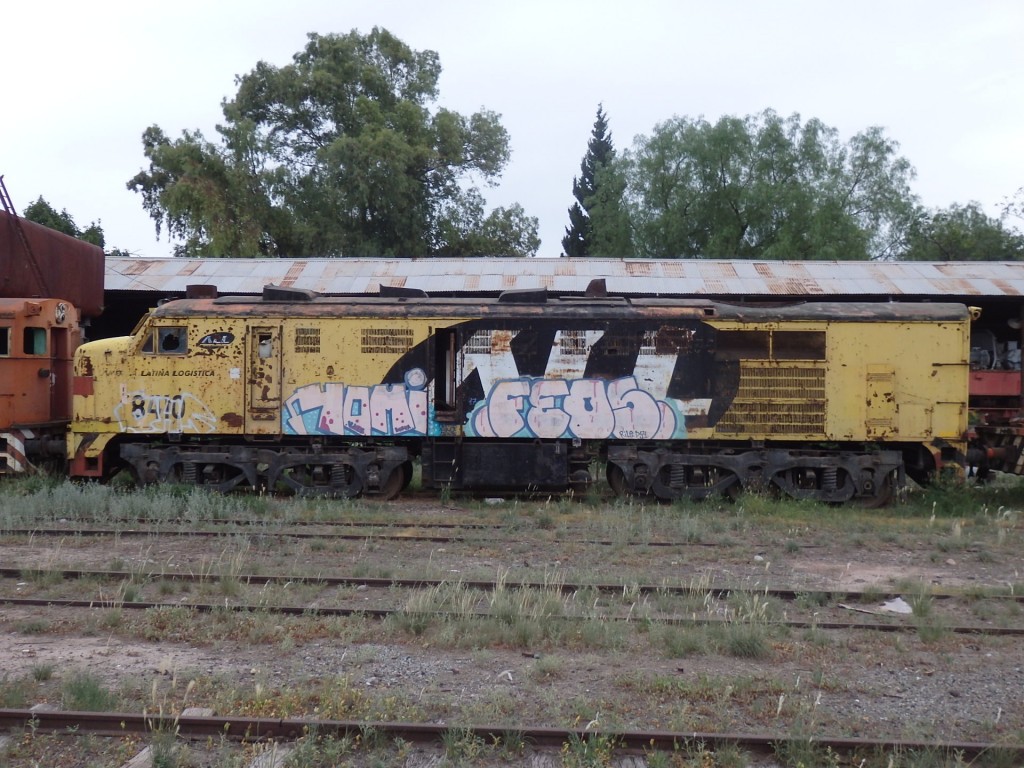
{"x": 635, "y": 277}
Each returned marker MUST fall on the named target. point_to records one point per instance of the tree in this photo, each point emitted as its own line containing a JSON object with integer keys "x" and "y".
{"x": 335, "y": 154}
{"x": 962, "y": 233}
{"x": 591, "y": 192}
{"x": 1013, "y": 207}
{"x": 766, "y": 187}
{"x": 41, "y": 212}
{"x": 466, "y": 231}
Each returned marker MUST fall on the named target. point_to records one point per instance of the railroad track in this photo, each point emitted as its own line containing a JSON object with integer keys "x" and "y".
{"x": 385, "y": 613}
{"x": 284, "y": 533}
{"x": 257, "y": 729}
{"x": 696, "y": 587}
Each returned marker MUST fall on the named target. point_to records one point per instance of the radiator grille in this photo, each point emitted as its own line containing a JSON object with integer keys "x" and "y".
{"x": 377, "y": 341}
{"x": 777, "y": 400}
{"x": 307, "y": 340}
{"x": 478, "y": 344}
{"x": 572, "y": 342}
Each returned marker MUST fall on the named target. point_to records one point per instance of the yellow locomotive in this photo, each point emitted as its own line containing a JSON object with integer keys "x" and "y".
{"x": 526, "y": 392}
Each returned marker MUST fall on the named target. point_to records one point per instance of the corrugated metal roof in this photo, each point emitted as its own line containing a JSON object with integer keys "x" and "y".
{"x": 624, "y": 276}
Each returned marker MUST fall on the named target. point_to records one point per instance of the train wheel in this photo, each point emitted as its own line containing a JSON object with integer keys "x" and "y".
{"x": 882, "y": 491}
{"x": 696, "y": 482}
{"x": 399, "y": 478}
{"x": 731, "y": 487}
{"x": 339, "y": 480}
{"x": 829, "y": 484}
{"x": 617, "y": 480}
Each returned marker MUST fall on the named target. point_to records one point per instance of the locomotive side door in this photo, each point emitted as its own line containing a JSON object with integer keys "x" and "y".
{"x": 60, "y": 374}
{"x": 263, "y": 381}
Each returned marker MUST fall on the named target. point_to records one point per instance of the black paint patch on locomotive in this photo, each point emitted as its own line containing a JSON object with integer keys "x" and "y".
{"x": 698, "y": 375}
{"x": 531, "y": 349}
{"x": 614, "y": 354}
{"x": 725, "y": 383}
{"x": 470, "y": 391}
{"x": 695, "y": 363}
{"x": 420, "y": 356}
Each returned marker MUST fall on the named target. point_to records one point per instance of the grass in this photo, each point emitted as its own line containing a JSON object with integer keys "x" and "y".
{"x": 42, "y": 672}
{"x": 557, "y": 630}
{"x": 85, "y": 693}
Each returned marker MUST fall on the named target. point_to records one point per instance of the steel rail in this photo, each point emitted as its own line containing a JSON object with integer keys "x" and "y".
{"x": 383, "y": 613}
{"x": 124, "y": 532}
{"x": 245, "y": 522}
{"x": 249, "y": 523}
{"x": 254, "y": 729}
{"x": 565, "y": 588}
{"x": 429, "y": 538}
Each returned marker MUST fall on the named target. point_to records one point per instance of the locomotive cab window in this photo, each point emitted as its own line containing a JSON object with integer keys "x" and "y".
{"x": 265, "y": 346}
{"x": 35, "y": 341}
{"x": 170, "y": 340}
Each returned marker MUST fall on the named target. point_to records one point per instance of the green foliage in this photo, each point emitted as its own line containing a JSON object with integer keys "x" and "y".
{"x": 462, "y": 746}
{"x": 84, "y": 693}
{"x": 335, "y": 154}
{"x": 1013, "y": 207}
{"x": 598, "y": 198}
{"x": 962, "y": 233}
{"x": 15, "y": 694}
{"x": 41, "y": 212}
{"x": 464, "y": 229}
{"x": 593, "y": 750}
{"x": 766, "y": 187}
{"x": 610, "y": 227}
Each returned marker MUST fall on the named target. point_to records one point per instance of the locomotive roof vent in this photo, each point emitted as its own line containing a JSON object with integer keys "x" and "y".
{"x": 273, "y": 292}
{"x": 524, "y": 296}
{"x": 200, "y": 291}
{"x": 597, "y": 292}
{"x": 401, "y": 292}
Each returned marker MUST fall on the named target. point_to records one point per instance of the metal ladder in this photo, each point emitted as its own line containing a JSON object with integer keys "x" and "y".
{"x": 5, "y": 200}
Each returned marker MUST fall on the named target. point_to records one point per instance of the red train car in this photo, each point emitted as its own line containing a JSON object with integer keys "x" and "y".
{"x": 49, "y": 284}
{"x": 38, "y": 338}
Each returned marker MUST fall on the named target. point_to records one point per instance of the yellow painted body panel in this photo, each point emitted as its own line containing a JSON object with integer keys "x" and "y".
{"x": 871, "y": 382}
{"x": 215, "y": 386}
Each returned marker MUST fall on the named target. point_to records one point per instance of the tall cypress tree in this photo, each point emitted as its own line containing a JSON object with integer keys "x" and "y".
{"x": 578, "y": 238}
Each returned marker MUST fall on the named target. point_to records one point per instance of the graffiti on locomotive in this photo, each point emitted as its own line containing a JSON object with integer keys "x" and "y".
{"x": 336, "y": 408}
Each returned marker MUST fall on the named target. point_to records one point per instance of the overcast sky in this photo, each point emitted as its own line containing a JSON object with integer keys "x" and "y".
{"x": 944, "y": 79}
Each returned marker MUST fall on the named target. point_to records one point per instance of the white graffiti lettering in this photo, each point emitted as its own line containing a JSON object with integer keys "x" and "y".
{"x": 140, "y": 411}
{"x": 585, "y": 408}
{"x": 337, "y": 409}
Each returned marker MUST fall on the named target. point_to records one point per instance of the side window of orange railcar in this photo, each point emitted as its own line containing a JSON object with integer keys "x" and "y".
{"x": 35, "y": 341}
{"x": 5, "y": 342}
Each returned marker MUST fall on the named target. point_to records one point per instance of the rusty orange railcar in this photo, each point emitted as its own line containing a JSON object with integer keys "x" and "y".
{"x": 38, "y": 338}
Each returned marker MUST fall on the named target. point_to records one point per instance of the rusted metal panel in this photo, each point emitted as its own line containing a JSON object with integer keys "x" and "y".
{"x": 72, "y": 269}
{"x": 675, "y": 277}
